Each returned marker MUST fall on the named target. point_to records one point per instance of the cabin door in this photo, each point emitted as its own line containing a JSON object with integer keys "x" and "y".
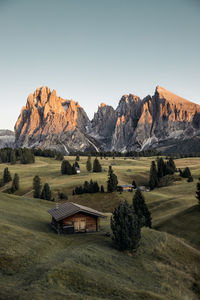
{"x": 80, "y": 225}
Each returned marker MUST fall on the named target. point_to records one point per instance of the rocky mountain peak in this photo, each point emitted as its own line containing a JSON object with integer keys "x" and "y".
{"x": 46, "y": 115}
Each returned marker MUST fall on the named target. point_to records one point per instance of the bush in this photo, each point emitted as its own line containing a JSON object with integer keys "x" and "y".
{"x": 62, "y": 196}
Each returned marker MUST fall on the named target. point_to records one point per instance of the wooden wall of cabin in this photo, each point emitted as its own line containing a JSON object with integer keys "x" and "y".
{"x": 92, "y": 222}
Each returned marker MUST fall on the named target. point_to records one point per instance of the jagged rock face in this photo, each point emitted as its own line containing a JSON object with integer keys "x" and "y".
{"x": 103, "y": 125}
{"x": 49, "y": 121}
{"x": 7, "y": 138}
{"x": 128, "y": 114}
{"x": 141, "y": 124}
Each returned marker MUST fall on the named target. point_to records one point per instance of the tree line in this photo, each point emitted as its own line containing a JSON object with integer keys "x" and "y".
{"x": 21, "y": 155}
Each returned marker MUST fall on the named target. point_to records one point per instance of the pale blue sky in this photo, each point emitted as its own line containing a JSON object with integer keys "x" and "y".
{"x": 95, "y": 51}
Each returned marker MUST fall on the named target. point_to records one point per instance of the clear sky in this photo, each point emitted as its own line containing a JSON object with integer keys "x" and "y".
{"x": 95, "y": 51}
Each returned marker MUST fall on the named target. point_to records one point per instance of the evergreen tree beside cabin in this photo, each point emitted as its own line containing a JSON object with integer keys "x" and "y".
{"x": 125, "y": 227}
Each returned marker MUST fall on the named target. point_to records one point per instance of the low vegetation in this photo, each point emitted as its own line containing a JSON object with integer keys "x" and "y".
{"x": 37, "y": 263}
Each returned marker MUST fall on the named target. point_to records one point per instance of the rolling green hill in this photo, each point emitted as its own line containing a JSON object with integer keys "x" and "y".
{"x": 35, "y": 262}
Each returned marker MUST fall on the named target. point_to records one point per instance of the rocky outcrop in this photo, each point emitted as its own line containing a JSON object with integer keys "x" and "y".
{"x": 103, "y": 125}
{"x": 49, "y": 121}
{"x": 7, "y": 138}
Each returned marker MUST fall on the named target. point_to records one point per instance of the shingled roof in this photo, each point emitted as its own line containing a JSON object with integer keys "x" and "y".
{"x": 69, "y": 208}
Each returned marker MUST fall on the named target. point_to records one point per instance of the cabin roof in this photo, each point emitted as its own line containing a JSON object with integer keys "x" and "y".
{"x": 69, "y": 208}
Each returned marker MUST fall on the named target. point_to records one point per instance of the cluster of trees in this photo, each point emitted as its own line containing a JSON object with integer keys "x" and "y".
{"x": 39, "y": 191}
{"x": 68, "y": 169}
{"x": 96, "y": 167}
{"x": 163, "y": 169}
{"x": 21, "y": 155}
{"x": 88, "y": 187}
{"x": 127, "y": 221}
{"x": 8, "y": 178}
{"x": 48, "y": 153}
{"x": 186, "y": 174}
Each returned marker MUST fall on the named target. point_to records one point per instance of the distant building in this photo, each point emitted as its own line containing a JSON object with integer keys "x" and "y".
{"x": 78, "y": 170}
{"x": 71, "y": 218}
{"x": 125, "y": 188}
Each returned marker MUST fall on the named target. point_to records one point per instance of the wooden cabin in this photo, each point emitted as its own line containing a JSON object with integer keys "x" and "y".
{"x": 71, "y": 218}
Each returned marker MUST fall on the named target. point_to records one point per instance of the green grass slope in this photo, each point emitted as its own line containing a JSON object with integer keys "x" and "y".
{"x": 38, "y": 264}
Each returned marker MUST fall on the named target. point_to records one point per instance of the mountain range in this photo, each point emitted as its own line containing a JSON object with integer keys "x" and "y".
{"x": 159, "y": 121}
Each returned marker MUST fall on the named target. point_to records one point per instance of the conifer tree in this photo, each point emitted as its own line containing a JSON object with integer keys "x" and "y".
{"x": 141, "y": 209}
{"x": 89, "y": 164}
{"x": 198, "y": 192}
{"x": 153, "y": 179}
{"x": 112, "y": 181}
{"x": 66, "y": 168}
{"x": 77, "y": 157}
{"x": 46, "y": 192}
{"x": 96, "y": 166}
{"x": 6, "y": 176}
{"x": 15, "y": 183}
{"x": 36, "y": 187}
{"x": 125, "y": 227}
{"x": 134, "y": 184}
{"x": 161, "y": 167}
{"x": 102, "y": 189}
{"x": 172, "y": 164}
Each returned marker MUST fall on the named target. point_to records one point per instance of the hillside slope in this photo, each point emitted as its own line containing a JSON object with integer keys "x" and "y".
{"x": 37, "y": 263}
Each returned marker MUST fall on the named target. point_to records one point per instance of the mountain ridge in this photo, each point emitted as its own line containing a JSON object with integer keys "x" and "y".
{"x": 49, "y": 121}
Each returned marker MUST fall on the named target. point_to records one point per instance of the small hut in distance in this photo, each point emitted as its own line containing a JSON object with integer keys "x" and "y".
{"x": 71, "y": 218}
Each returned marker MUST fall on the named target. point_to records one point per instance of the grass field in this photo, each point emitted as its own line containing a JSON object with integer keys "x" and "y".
{"x": 37, "y": 263}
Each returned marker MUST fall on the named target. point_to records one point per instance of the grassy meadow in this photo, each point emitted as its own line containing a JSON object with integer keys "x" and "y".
{"x": 35, "y": 262}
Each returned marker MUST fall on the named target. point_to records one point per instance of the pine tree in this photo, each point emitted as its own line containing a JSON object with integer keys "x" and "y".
{"x": 6, "y": 176}
{"x": 141, "y": 210}
{"x": 125, "y": 227}
{"x": 36, "y": 187}
{"x": 198, "y": 192}
{"x": 46, "y": 192}
{"x": 161, "y": 167}
{"x": 102, "y": 189}
{"x": 15, "y": 183}
{"x": 89, "y": 164}
{"x": 96, "y": 166}
{"x": 12, "y": 157}
{"x": 66, "y": 168}
{"x": 77, "y": 157}
{"x": 86, "y": 187}
{"x": 112, "y": 181}
{"x": 134, "y": 184}
{"x": 172, "y": 164}
{"x": 153, "y": 179}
